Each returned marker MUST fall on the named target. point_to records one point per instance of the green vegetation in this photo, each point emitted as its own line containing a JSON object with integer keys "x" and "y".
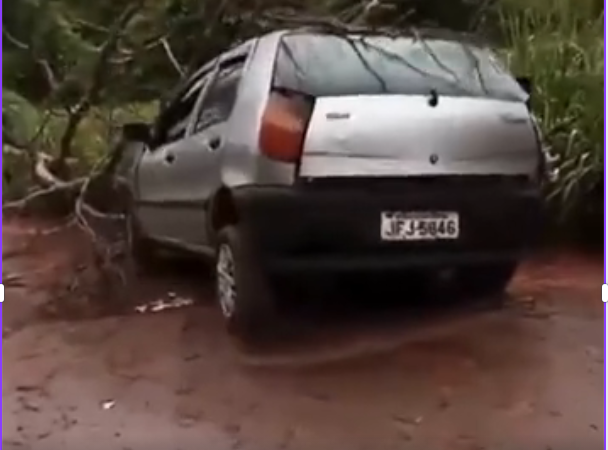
{"x": 560, "y": 43}
{"x": 91, "y": 66}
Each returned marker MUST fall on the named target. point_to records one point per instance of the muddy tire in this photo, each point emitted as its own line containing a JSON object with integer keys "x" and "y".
{"x": 242, "y": 288}
{"x": 489, "y": 280}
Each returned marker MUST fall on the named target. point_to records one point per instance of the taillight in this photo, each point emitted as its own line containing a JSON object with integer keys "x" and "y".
{"x": 284, "y": 125}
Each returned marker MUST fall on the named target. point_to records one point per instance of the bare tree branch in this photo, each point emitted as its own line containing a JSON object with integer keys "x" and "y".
{"x": 174, "y": 62}
{"x": 37, "y": 159}
{"x": 42, "y": 196}
{"x": 329, "y": 23}
{"x": 92, "y": 94}
{"x": 42, "y": 174}
{"x": 46, "y": 66}
{"x": 90, "y": 25}
{"x": 50, "y": 75}
{"x": 13, "y": 40}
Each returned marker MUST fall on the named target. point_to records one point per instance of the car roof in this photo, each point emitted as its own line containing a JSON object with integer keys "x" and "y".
{"x": 241, "y": 48}
{"x": 423, "y": 33}
{"x": 412, "y": 32}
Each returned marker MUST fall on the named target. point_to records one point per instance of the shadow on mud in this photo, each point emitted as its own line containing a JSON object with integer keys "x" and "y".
{"x": 315, "y": 312}
{"x": 322, "y": 319}
{"x": 357, "y": 316}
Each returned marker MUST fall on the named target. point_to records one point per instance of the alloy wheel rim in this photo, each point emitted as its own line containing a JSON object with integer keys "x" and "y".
{"x": 226, "y": 280}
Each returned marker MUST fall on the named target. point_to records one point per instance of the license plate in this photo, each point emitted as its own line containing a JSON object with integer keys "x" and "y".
{"x": 419, "y": 226}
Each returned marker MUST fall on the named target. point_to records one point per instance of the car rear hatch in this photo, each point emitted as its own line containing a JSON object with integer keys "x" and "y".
{"x": 403, "y": 135}
{"x": 375, "y": 106}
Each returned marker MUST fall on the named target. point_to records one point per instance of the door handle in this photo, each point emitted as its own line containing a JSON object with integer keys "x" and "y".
{"x": 214, "y": 142}
{"x": 169, "y": 157}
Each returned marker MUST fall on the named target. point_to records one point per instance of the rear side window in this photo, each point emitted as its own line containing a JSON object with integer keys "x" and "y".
{"x": 175, "y": 118}
{"x": 219, "y": 100}
{"x": 330, "y": 65}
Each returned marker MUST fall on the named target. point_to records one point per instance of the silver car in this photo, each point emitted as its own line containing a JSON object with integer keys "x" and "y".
{"x": 302, "y": 151}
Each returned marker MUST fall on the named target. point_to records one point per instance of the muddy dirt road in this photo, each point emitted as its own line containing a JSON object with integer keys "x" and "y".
{"x": 529, "y": 376}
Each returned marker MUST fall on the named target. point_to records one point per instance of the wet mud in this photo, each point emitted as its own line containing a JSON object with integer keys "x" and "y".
{"x": 361, "y": 371}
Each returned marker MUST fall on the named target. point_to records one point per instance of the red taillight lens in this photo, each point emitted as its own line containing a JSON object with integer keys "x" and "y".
{"x": 284, "y": 125}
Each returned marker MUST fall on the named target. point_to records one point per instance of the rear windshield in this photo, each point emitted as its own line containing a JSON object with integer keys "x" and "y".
{"x": 330, "y": 65}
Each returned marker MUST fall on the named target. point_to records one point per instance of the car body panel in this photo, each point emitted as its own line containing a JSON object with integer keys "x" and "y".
{"x": 404, "y": 135}
{"x": 334, "y": 223}
{"x": 243, "y": 163}
{"x": 172, "y": 197}
{"x": 359, "y": 138}
{"x": 152, "y": 196}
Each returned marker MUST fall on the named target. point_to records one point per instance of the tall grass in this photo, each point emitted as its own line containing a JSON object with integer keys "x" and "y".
{"x": 560, "y": 44}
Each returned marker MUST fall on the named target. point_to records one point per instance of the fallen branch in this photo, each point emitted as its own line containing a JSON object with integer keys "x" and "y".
{"x": 37, "y": 160}
{"x": 172, "y": 58}
{"x": 93, "y": 93}
{"x": 42, "y": 174}
{"x": 54, "y": 199}
{"x": 300, "y": 21}
{"x": 44, "y": 64}
{"x": 10, "y": 280}
{"x": 80, "y": 202}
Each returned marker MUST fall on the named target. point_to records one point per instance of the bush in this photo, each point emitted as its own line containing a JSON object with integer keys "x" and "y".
{"x": 560, "y": 43}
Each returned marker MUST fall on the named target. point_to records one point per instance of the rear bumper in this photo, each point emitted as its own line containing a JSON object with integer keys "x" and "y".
{"x": 336, "y": 227}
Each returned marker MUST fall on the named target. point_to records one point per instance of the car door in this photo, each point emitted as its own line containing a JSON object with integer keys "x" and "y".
{"x": 195, "y": 173}
{"x": 155, "y": 200}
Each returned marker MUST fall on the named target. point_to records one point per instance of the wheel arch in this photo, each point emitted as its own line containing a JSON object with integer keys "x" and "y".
{"x": 223, "y": 211}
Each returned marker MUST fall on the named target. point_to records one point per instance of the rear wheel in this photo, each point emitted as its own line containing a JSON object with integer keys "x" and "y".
{"x": 488, "y": 280}
{"x": 242, "y": 288}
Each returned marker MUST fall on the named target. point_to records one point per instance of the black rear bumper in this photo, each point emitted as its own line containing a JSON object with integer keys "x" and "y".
{"x": 335, "y": 225}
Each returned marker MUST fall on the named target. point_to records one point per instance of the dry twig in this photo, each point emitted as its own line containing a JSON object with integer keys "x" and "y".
{"x": 172, "y": 58}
